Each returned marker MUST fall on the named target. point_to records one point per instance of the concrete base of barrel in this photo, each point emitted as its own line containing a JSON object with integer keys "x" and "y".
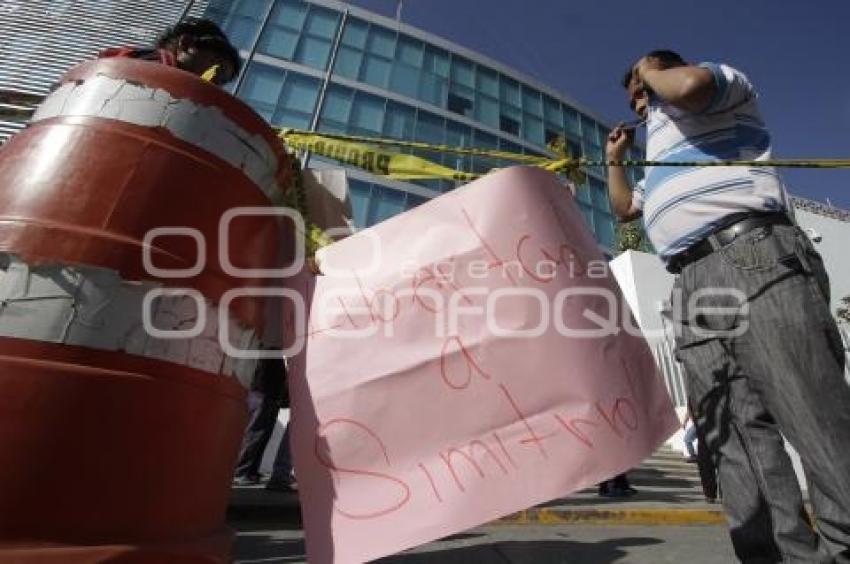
{"x": 115, "y": 456}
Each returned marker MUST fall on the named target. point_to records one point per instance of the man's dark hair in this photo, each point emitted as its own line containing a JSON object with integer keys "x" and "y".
{"x": 667, "y": 58}
{"x": 205, "y": 34}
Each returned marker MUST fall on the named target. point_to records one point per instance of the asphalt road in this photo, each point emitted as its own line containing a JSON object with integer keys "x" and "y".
{"x": 525, "y": 544}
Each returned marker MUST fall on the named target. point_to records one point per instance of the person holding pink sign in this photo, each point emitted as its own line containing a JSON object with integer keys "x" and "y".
{"x": 762, "y": 352}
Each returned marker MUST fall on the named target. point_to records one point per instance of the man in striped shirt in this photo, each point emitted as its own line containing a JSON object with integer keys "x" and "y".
{"x": 762, "y": 352}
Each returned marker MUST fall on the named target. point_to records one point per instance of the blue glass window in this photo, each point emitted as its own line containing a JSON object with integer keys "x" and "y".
{"x": 458, "y": 135}
{"x": 375, "y": 70}
{"x": 583, "y": 194}
{"x": 588, "y": 129}
{"x": 487, "y": 81}
{"x": 261, "y": 88}
{"x": 531, "y": 101}
{"x": 459, "y": 102}
{"x": 337, "y": 104}
{"x": 430, "y": 128}
{"x": 552, "y": 112}
{"x": 599, "y": 195}
{"x": 355, "y": 33}
{"x": 409, "y": 51}
{"x": 297, "y": 101}
{"x": 405, "y": 79}
{"x": 381, "y": 42}
{"x": 487, "y": 110}
{"x": 300, "y": 93}
{"x": 603, "y": 224}
{"x": 510, "y": 119}
{"x": 347, "y": 62}
{"x": 484, "y": 141}
{"x": 313, "y": 52}
{"x": 413, "y": 200}
{"x": 399, "y": 121}
{"x": 278, "y": 41}
{"x": 574, "y": 148}
{"x": 360, "y": 193}
{"x": 533, "y": 130}
{"x": 322, "y": 23}
{"x": 436, "y": 61}
{"x": 367, "y": 114}
{"x": 462, "y": 72}
{"x": 288, "y": 14}
{"x": 570, "y": 120}
{"x": 280, "y": 37}
{"x": 241, "y": 31}
{"x": 385, "y": 203}
{"x": 510, "y": 91}
{"x": 239, "y": 20}
{"x": 432, "y": 89}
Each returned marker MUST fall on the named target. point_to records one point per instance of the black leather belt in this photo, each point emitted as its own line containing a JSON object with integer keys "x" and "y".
{"x": 737, "y": 225}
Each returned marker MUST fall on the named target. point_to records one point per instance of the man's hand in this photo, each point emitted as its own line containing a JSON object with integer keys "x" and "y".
{"x": 619, "y": 140}
{"x": 619, "y": 188}
{"x": 687, "y": 87}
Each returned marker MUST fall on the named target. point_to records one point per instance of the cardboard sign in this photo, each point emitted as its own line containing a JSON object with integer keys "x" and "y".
{"x": 465, "y": 360}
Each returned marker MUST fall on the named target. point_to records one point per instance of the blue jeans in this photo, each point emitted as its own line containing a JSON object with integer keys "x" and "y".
{"x": 690, "y": 438}
{"x": 282, "y": 466}
{"x": 754, "y": 376}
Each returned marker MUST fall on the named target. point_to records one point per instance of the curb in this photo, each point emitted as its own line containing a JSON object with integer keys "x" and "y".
{"x": 291, "y": 516}
{"x": 659, "y": 516}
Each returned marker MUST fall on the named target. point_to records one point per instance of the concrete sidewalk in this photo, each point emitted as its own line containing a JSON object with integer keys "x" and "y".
{"x": 669, "y": 493}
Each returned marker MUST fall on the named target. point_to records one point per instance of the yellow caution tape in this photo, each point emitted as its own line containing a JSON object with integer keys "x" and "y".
{"x": 385, "y": 163}
{"x": 493, "y": 153}
{"x": 366, "y": 153}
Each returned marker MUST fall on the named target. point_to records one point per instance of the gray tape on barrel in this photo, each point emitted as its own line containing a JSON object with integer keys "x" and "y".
{"x": 94, "y": 307}
{"x": 205, "y": 127}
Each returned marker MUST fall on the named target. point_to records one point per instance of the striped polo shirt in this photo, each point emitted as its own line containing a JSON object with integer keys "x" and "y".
{"x": 682, "y": 205}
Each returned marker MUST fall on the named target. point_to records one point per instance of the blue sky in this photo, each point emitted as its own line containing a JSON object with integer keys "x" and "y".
{"x": 795, "y": 53}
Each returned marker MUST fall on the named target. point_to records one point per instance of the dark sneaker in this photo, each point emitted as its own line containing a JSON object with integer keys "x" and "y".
{"x": 618, "y": 492}
{"x": 249, "y": 480}
{"x": 274, "y": 485}
{"x": 691, "y": 460}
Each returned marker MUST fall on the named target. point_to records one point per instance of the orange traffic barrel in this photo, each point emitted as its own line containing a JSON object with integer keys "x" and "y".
{"x": 134, "y": 253}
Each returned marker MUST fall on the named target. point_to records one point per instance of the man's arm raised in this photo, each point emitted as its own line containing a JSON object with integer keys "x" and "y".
{"x": 619, "y": 187}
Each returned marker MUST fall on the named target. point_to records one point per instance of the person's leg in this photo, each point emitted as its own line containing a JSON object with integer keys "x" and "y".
{"x": 763, "y": 503}
{"x": 707, "y": 469}
{"x": 282, "y": 471}
{"x": 736, "y": 379}
{"x": 621, "y": 481}
{"x": 262, "y": 414}
{"x": 689, "y": 440}
{"x": 795, "y": 355}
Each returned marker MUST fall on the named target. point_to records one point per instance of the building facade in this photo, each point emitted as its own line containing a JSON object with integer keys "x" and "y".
{"x": 327, "y": 66}
{"x": 41, "y": 39}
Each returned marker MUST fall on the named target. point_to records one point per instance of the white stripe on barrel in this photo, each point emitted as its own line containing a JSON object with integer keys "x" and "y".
{"x": 94, "y": 307}
{"x": 205, "y": 127}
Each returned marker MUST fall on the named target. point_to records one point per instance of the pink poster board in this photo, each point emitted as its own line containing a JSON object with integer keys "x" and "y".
{"x": 463, "y": 361}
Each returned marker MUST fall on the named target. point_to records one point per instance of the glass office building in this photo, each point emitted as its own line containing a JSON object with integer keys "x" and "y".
{"x": 41, "y": 39}
{"x": 327, "y": 65}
